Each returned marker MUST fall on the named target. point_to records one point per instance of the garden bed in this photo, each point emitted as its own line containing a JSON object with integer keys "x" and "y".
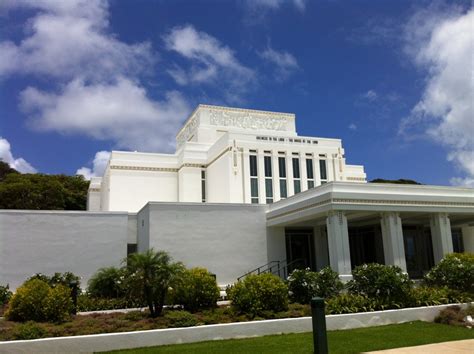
{"x": 140, "y": 338}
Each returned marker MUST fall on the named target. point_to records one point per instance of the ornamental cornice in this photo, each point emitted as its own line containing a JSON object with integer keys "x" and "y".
{"x": 373, "y": 201}
{"x": 143, "y": 168}
{"x": 402, "y": 202}
{"x": 362, "y": 179}
{"x": 170, "y": 169}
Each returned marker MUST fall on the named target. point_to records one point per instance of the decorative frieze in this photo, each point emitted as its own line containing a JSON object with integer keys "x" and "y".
{"x": 188, "y": 130}
{"x": 249, "y": 120}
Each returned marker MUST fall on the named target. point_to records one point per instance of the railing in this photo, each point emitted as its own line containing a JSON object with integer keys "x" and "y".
{"x": 280, "y": 268}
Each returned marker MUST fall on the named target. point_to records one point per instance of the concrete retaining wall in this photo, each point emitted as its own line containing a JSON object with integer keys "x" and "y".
{"x": 59, "y": 241}
{"x": 128, "y": 340}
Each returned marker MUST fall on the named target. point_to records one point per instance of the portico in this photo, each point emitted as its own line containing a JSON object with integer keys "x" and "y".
{"x": 410, "y": 226}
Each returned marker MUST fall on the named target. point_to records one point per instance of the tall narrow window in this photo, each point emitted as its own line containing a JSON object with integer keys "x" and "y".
{"x": 310, "y": 173}
{"x": 203, "y": 186}
{"x": 323, "y": 170}
{"x": 268, "y": 179}
{"x": 282, "y": 175}
{"x": 253, "y": 179}
{"x": 296, "y": 175}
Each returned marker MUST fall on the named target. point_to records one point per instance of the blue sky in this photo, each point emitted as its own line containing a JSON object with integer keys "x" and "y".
{"x": 393, "y": 79}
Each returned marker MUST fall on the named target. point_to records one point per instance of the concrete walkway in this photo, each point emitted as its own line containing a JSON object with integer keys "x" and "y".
{"x": 455, "y": 347}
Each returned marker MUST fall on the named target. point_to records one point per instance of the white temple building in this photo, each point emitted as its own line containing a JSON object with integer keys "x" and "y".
{"x": 224, "y": 155}
{"x": 243, "y": 192}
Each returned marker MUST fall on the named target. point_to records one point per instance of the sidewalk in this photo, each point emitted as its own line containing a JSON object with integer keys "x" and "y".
{"x": 455, "y": 347}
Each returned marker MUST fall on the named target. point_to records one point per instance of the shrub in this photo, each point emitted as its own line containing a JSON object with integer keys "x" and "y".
{"x": 5, "y": 294}
{"x": 304, "y": 284}
{"x": 58, "y": 278}
{"x": 456, "y": 271}
{"x": 28, "y": 301}
{"x": 259, "y": 293}
{"x": 381, "y": 281}
{"x": 196, "y": 289}
{"x": 349, "y": 303}
{"x": 35, "y": 300}
{"x": 28, "y": 330}
{"x": 58, "y": 305}
{"x": 180, "y": 319}
{"x": 427, "y": 296}
{"x": 88, "y": 303}
{"x": 107, "y": 283}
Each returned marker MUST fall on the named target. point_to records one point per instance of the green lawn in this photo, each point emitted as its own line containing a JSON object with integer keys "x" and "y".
{"x": 348, "y": 341}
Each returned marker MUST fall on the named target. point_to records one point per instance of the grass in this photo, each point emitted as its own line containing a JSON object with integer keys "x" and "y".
{"x": 347, "y": 341}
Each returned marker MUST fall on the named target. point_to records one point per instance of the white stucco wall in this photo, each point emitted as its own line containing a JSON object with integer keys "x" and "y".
{"x": 55, "y": 241}
{"x": 227, "y": 239}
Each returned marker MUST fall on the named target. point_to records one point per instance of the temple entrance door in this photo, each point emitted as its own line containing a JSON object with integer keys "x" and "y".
{"x": 300, "y": 249}
{"x": 418, "y": 250}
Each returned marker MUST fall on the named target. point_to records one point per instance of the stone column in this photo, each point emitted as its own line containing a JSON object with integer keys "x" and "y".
{"x": 392, "y": 235}
{"x": 276, "y": 178}
{"x": 261, "y": 178}
{"x": 321, "y": 247}
{"x": 338, "y": 244}
{"x": 468, "y": 238}
{"x": 441, "y": 235}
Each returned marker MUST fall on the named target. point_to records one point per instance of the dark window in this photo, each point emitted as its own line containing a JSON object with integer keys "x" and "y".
{"x": 310, "y": 184}
{"x": 131, "y": 248}
{"x": 253, "y": 165}
{"x": 309, "y": 168}
{"x": 203, "y": 186}
{"x": 296, "y": 167}
{"x": 297, "y": 186}
{"x": 322, "y": 168}
{"x": 282, "y": 167}
{"x": 283, "y": 191}
{"x": 458, "y": 244}
{"x": 268, "y": 166}
{"x": 269, "y": 190}
{"x": 254, "y": 190}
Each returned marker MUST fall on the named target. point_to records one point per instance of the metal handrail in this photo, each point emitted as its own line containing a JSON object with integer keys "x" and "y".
{"x": 259, "y": 269}
{"x": 281, "y": 268}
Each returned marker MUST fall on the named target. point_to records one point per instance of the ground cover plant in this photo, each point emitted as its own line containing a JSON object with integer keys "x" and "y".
{"x": 154, "y": 276}
{"x": 344, "y": 342}
{"x": 134, "y": 321}
{"x": 456, "y": 316}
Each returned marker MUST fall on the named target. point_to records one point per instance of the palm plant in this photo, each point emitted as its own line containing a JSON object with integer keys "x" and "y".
{"x": 150, "y": 274}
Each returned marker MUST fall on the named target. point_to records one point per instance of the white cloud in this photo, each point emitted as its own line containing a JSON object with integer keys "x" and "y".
{"x": 275, "y": 4}
{"x": 370, "y": 95}
{"x": 120, "y": 111}
{"x": 442, "y": 44}
{"x": 211, "y": 61}
{"x": 96, "y": 89}
{"x": 19, "y": 164}
{"x": 285, "y": 62}
{"x": 352, "y": 126}
{"x": 67, "y": 39}
{"x": 99, "y": 164}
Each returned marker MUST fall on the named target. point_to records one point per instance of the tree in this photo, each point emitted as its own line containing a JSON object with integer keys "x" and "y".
{"x": 5, "y": 169}
{"x": 395, "y": 181}
{"x": 42, "y": 192}
{"x": 150, "y": 274}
